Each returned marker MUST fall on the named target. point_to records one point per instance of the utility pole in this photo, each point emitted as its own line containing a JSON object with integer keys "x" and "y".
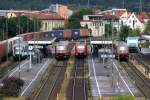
{"x": 88, "y": 3}
{"x": 7, "y": 36}
{"x": 112, "y": 50}
{"x": 19, "y": 46}
{"x": 123, "y": 4}
{"x": 140, "y": 9}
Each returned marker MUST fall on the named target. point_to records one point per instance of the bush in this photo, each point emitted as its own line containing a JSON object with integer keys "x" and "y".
{"x": 11, "y": 86}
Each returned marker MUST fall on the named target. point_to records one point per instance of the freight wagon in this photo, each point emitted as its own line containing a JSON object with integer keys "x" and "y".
{"x": 67, "y": 34}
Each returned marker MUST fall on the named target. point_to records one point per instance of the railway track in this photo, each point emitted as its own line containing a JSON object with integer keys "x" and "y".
{"x": 78, "y": 81}
{"x": 52, "y": 84}
{"x": 141, "y": 82}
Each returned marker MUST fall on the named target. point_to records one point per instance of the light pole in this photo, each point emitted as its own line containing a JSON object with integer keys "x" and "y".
{"x": 140, "y": 9}
{"x": 88, "y": 3}
{"x": 7, "y": 36}
{"x": 30, "y": 51}
{"x": 112, "y": 47}
{"x": 123, "y": 3}
{"x": 19, "y": 46}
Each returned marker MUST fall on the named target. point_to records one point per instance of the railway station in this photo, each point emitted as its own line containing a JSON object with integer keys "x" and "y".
{"x": 56, "y": 61}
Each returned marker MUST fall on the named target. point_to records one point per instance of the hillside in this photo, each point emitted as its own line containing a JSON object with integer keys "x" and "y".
{"x": 41, "y": 4}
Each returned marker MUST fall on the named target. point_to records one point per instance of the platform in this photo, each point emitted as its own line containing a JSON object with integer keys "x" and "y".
{"x": 30, "y": 76}
{"x": 104, "y": 83}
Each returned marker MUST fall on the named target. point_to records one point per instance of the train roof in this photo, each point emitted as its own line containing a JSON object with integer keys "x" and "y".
{"x": 146, "y": 37}
{"x": 11, "y": 39}
{"x": 132, "y": 37}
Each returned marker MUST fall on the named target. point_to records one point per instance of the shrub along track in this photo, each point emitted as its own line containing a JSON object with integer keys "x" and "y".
{"x": 141, "y": 82}
{"x": 77, "y": 86}
{"x": 51, "y": 86}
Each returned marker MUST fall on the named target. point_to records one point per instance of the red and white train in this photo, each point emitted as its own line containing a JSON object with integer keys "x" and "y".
{"x": 121, "y": 50}
{"x": 62, "y": 50}
{"x": 80, "y": 49}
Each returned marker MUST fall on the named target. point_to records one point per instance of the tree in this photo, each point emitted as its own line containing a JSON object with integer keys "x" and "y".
{"x": 74, "y": 21}
{"x": 108, "y": 29}
{"x": 16, "y": 24}
{"x": 124, "y": 32}
{"x": 135, "y": 32}
{"x": 147, "y": 28}
{"x": 11, "y": 86}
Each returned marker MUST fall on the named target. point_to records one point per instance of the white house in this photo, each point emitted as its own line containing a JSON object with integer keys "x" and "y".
{"x": 95, "y": 23}
{"x": 137, "y": 21}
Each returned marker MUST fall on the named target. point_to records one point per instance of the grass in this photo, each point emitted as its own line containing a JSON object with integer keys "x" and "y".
{"x": 86, "y": 71}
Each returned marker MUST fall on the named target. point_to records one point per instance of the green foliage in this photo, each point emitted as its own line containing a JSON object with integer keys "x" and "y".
{"x": 124, "y": 32}
{"x": 74, "y": 21}
{"x": 16, "y": 25}
{"x": 135, "y": 32}
{"x": 12, "y": 86}
{"x": 147, "y": 29}
{"x": 123, "y": 98}
{"x": 108, "y": 29}
{"x": 41, "y": 4}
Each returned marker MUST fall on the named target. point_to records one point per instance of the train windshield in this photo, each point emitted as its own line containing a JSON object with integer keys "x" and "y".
{"x": 61, "y": 48}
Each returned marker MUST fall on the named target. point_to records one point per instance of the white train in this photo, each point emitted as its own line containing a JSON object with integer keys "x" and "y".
{"x": 20, "y": 50}
{"x": 121, "y": 50}
{"x": 62, "y": 49}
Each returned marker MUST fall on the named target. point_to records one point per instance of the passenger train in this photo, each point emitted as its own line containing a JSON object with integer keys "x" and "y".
{"x": 62, "y": 50}
{"x": 81, "y": 48}
{"x": 121, "y": 50}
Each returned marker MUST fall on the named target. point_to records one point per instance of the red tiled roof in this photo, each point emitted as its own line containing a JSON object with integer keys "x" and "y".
{"x": 142, "y": 16}
{"x": 119, "y": 13}
{"x": 41, "y": 15}
{"x": 111, "y": 17}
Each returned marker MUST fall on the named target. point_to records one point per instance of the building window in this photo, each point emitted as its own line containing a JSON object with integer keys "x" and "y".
{"x": 133, "y": 23}
{"x": 121, "y": 22}
{"x": 46, "y": 26}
